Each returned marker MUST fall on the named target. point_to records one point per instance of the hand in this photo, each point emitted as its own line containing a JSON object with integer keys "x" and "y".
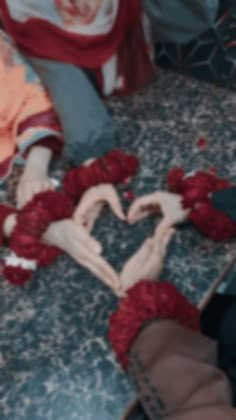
{"x": 147, "y": 262}
{"x": 72, "y": 238}
{"x": 168, "y": 204}
{"x": 34, "y": 178}
{"x": 92, "y": 203}
{"x": 31, "y": 184}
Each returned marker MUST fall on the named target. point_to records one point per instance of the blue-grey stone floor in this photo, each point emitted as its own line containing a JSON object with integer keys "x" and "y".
{"x": 55, "y": 360}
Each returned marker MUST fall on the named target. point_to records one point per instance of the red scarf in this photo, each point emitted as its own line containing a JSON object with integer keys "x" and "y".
{"x": 41, "y": 38}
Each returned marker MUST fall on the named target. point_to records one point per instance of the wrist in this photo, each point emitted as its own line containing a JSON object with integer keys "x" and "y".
{"x": 38, "y": 159}
{"x": 9, "y": 225}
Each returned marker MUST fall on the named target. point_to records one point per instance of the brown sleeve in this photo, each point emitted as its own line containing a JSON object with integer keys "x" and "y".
{"x": 176, "y": 375}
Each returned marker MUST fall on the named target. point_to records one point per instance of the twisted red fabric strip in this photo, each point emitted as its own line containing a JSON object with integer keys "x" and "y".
{"x": 115, "y": 167}
{"x": 147, "y": 301}
{"x": 196, "y": 191}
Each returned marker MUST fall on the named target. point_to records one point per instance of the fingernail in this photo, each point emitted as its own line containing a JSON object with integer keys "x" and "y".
{"x": 122, "y": 216}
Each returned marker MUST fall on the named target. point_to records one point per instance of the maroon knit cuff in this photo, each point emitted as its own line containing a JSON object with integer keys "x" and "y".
{"x": 145, "y": 302}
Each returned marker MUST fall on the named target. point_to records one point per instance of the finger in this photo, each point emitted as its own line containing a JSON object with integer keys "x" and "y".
{"x": 93, "y": 216}
{"x": 87, "y": 202}
{"x": 115, "y": 204}
{"x": 86, "y": 241}
{"x": 88, "y": 220}
{"x": 101, "y": 269}
{"x": 163, "y": 226}
{"x": 97, "y": 195}
{"x": 139, "y": 209}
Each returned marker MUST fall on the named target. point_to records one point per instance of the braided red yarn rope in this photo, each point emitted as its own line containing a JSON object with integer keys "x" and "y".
{"x": 147, "y": 301}
{"x": 32, "y": 222}
{"x": 51, "y": 206}
{"x": 196, "y": 191}
{"x": 113, "y": 168}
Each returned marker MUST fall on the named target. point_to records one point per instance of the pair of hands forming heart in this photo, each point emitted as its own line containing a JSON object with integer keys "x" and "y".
{"x": 147, "y": 262}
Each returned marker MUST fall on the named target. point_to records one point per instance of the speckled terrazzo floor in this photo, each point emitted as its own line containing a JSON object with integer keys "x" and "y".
{"x": 55, "y": 361}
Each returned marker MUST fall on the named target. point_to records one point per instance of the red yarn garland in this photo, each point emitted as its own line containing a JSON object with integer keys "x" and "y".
{"x": 196, "y": 191}
{"x": 32, "y": 222}
{"x": 146, "y": 301}
{"x": 115, "y": 167}
{"x": 17, "y": 276}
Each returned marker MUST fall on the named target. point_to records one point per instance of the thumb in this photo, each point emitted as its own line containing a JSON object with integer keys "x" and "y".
{"x": 114, "y": 203}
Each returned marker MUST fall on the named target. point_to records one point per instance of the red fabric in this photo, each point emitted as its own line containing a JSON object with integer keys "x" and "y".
{"x": 32, "y": 222}
{"x": 5, "y": 211}
{"x": 43, "y": 39}
{"x": 212, "y": 222}
{"x": 196, "y": 191}
{"x": 49, "y": 120}
{"x": 111, "y": 169}
{"x": 138, "y": 70}
{"x": 195, "y": 186}
{"x": 147, "y": 301}
{"x": 175, "y": 180}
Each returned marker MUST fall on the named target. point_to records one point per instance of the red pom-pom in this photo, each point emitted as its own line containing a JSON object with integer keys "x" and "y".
{"x": 147, "y": 301}
{"x": 174, "y": 179}
{"x": 17, "y": 276}
{"x": 115, "y": 167}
